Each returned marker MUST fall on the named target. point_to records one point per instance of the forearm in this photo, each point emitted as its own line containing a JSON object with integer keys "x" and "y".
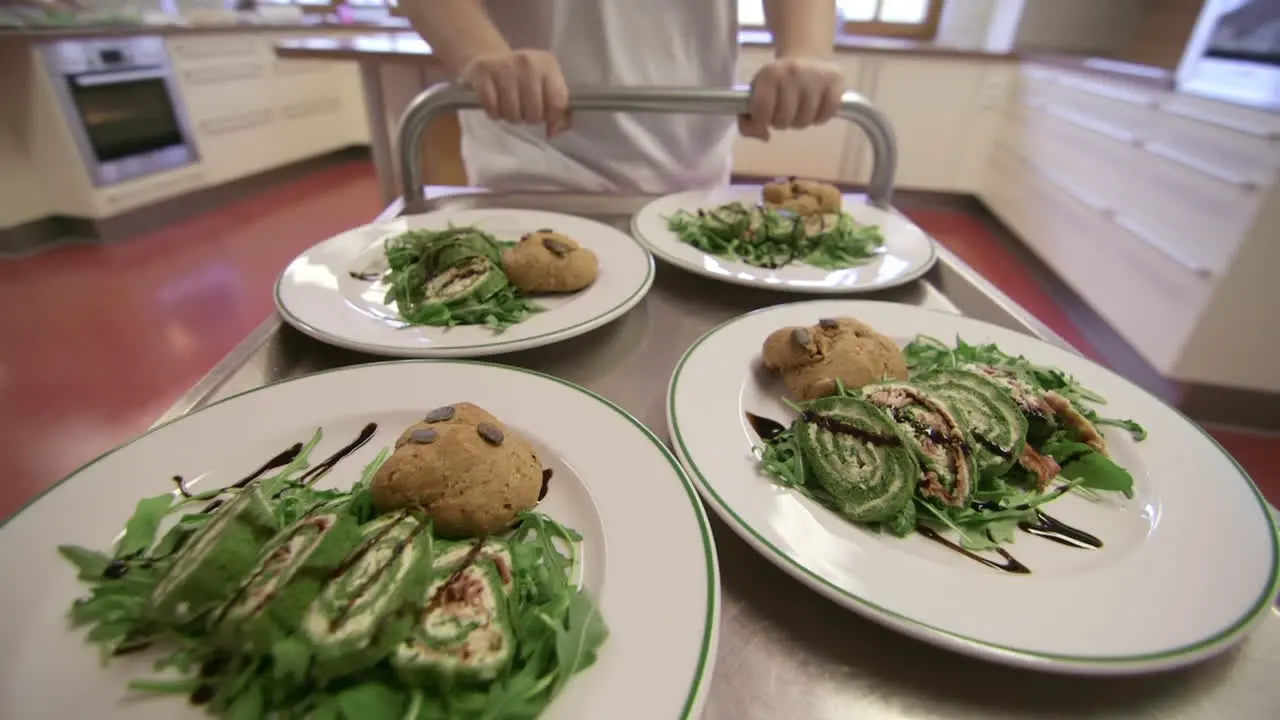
{"x": 802, "y": 28}
{"x": 456, "y": 30}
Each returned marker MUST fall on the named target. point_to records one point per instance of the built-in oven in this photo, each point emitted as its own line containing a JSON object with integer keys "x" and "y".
{"x": 122, "y": 106}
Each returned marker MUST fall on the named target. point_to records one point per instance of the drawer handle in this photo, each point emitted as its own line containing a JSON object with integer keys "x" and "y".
{"x": 1110, "y": 93}
{"x": 236, "y": 123}
{"x": 1225, "y": 123}
{"x": 1195, "y": 163}
{"x": 1085, "y": 122}
{"x": 1159, "y": 246}
{"x": 1056, "y": 180}
{"x": 308, "y": 108}
{"x": 1083, "y": 198}
{"x": 209, "y": 76}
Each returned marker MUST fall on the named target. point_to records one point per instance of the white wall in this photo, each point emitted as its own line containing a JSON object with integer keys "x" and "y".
{"x": 964, "y": 23}
{"x": 21, "y": 196}
{"x": 1083, "y": 26}
{"x": 1237, "y": 339}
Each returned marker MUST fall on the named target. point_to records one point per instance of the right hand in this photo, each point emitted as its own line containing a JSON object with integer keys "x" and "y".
{"x": 520, "y": 86}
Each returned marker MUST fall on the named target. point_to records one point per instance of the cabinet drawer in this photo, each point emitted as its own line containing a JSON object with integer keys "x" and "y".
{"x": 1150, "y": 300}
{"x": 1198, "y": 217}
{"x": 129, "y": 195}
{"x": 190, "y": 50}
{"x": 1238, "y": 158}
{"x": 234, "y": 123}
{"x": 1121, "y": 109}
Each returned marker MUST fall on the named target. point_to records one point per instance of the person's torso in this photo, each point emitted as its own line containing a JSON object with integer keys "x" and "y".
{"x": 606, "y": 43}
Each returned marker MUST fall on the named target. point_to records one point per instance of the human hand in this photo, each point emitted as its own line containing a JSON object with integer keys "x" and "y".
{"x": 521, "y": 86}
{"x": 792, "y": 93}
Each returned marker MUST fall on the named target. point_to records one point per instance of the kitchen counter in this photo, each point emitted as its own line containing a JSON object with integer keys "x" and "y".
{"x": 43, "y": 33}
{"x": 409, "y": 45}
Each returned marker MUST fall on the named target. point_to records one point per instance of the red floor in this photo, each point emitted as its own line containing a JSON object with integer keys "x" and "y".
{"x": 100, "y": 340}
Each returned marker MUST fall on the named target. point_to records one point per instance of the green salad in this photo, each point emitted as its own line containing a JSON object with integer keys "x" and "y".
{"x": 768, "y": 238}
{"x": 274, "y": 599}
{"x": 976, "y": 442}
{"x": 453, "y": 277}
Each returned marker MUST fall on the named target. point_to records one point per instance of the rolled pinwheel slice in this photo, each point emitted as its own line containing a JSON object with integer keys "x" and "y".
{"x": 451, "y": 555}
{"x": 476, "y": 278}
{"x": 357, "y": 620}
{"x": 215, "y": 560}
{"x": 940, "y": 442}
{"x": 292, "y": 570}
{"x": 987, "y": 410}
{"x": 856, "y": 453}
{"x": 463, "y": 634}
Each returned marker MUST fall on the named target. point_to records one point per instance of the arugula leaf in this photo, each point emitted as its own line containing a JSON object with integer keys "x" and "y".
{"x": 140, "y": 531}
{"x": 292, "y": 659}
{"x": 178, "y": 686}
{"x": 1093, "y": 469}
{"x": 372, "y": 701}
{"x": 579, "y": 641}
{"x": 249, "y": 704}
{"x": 91, "y": 563}
{"x": 107, "y": 608}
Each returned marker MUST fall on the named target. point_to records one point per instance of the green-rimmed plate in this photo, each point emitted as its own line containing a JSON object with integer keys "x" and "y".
{"x": 648, "y": 558}
{"x": 1187, "y": 563}
{"x": 322, "y": 294}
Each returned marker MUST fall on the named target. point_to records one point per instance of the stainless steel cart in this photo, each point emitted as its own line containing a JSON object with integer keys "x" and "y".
{"x": 785, "y": 652}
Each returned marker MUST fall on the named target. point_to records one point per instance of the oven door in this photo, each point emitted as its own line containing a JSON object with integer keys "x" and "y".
{"x": 130, "y": 124}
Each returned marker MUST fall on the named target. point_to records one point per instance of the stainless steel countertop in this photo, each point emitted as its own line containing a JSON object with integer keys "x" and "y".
{"x": 785, "y": 652}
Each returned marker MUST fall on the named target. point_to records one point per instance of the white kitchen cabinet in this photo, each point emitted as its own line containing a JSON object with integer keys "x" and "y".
{"x": 1155, "y": 208}
{"x": 252, "y": 112}
{"x": 943, "y": 111}
{"x": 812, "y": 153}
{"x": 934, "y": 107}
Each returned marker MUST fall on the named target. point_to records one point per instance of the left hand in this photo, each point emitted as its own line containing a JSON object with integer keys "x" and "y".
{"x": 792, "y": 93}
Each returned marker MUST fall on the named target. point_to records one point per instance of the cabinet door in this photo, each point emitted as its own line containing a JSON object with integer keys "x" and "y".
{"x": 812, "y": 153}
{"x": 935, "y": 108}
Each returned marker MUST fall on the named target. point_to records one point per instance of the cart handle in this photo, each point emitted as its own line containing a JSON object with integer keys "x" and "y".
{"x": 444, "y": 96}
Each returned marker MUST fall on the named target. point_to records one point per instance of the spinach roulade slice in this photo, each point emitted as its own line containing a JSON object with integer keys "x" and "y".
{"x": 216, "y": 559}
{"x": 854, "y": 451}
{"x": 270, "y": 603}
{"x": 461, "y": 248}
{"x": 463, "y": 635}
{"x": 935, "y": 434}
{"x": 988, "y": 411}
{"x": 475, "y": 278}
{"x": 356, "y": 620}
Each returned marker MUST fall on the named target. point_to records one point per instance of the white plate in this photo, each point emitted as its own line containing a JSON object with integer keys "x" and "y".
{"x": 1188, "y": 563}
{"x": 649, "y": 559}
{"x": 317, "y": 294}
{"x": 908, "y": 252}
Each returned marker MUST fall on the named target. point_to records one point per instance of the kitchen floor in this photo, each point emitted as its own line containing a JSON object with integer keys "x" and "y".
{"x": 99, "y": 340}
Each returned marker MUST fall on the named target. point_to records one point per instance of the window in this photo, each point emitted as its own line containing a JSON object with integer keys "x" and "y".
{"x": 895, "y": 18}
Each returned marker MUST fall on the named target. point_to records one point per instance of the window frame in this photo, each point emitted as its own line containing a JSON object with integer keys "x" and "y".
{"x": 925, "y": 30}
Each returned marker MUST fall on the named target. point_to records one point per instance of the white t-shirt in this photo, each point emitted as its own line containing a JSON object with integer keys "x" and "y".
{"x": 614, "y": 43}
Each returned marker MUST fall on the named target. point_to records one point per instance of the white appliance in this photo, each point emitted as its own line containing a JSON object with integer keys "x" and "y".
{"x": 122, "y": 106}
{"x": 1234, "y": 53}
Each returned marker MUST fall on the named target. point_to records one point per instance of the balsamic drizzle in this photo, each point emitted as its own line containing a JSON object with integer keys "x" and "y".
{"x": 840, "y": 427}
{"x": 369, "y": 276}
{"x": 281, "y": 460}
{"x": 1051, "y": 528}
{"x": 1010, "y": 564}
{"x": 766, "y": 428}
{"x": 119, "y": 567}
{"x": 992, "y": 446}
{"x": 1045, "y": 526}
{"x": 546, "y": 480}
{"x": 311, "y": 476}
